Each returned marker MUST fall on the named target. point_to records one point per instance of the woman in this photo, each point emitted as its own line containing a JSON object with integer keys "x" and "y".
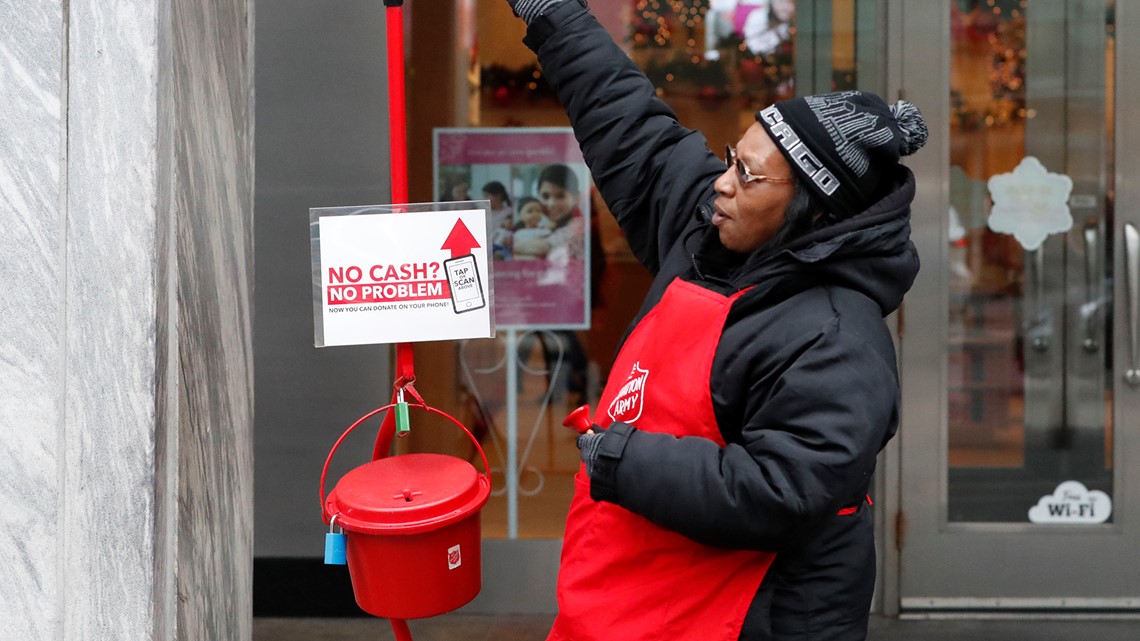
{"x": 502, "y": 214}
{"x": 559, "y": 193}
{"x": 502, "y": 219}
{"x": 724, "y": 486}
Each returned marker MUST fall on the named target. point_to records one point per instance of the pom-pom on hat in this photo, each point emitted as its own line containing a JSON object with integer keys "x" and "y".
{"x": 842, "y": 144}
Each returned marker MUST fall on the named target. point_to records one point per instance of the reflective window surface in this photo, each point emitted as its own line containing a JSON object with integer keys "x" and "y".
{"x": 715, "y": 62}
{"x": 1029, "y": 351}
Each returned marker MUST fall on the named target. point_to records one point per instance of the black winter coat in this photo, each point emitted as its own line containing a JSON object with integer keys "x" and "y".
{"x": 804, "y": 381}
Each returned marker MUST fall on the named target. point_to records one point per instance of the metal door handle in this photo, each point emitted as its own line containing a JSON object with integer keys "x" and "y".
{"x": 1132, "y": 290}
{"x": 1038, "y": 325}
{"x": 1092, "y": 286}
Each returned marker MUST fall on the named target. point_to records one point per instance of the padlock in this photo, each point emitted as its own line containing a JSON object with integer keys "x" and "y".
{"x": 403, "y": 424}
{"x": 335, "y": 545}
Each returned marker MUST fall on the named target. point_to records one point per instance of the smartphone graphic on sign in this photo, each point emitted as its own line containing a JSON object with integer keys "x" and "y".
{"x": 463, "y": 279}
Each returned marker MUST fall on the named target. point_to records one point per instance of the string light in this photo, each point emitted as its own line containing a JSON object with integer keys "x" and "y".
{"x": 656, "y": 15}
{"x": 1005, "y": 73}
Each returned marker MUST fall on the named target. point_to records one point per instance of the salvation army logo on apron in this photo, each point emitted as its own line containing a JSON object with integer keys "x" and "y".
{"x": 627, "y": 405}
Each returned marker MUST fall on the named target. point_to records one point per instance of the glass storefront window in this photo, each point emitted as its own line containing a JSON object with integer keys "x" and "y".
{"x": 715, "y": 62}
{"x": 1029, "y": 326}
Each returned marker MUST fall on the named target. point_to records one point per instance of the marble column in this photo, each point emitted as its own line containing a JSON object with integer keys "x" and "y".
{"x": 126, "y": 410}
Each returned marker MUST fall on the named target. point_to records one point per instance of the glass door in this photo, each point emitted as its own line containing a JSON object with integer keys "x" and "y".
{"x": 1020, "y": 395}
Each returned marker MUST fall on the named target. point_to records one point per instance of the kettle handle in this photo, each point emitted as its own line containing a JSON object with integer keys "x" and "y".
{"x": 579, "y": 420}
{"x": 360, "y": 421}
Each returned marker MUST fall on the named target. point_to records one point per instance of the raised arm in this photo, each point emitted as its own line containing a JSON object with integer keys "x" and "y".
{"x": 652, "y": 172}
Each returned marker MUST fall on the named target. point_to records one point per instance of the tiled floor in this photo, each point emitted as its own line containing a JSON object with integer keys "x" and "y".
{"x": 452, "y": 627}
{"x": 456, "y": 627}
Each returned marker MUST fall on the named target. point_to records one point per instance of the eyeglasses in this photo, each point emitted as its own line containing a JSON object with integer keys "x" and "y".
{"x": 742, "y": 173}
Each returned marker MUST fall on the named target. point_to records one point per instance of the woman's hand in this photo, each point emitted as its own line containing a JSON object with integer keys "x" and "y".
{"x": 587, "y": 443}
{"x": 528, "y": 10}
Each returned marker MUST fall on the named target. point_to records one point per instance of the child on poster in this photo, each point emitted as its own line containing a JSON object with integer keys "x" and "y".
{"x": 534, "y": 227}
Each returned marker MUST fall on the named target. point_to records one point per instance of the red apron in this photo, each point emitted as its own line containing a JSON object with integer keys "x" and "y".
{"x": 621, "y": 576}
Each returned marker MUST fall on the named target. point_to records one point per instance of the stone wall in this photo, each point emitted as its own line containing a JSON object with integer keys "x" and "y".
{"x": 126, "y": 182}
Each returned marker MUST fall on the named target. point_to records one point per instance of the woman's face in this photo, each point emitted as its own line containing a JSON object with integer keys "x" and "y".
{"x": 496, "y": 201}
{"x": 557, "y": 201}
{"x": 748, "y": 215}
{"x": 784, "y": 10}
{"x": 531, "y": 214}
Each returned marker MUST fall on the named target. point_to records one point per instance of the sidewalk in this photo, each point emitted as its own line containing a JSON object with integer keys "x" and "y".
{"x": 457, "y": 627}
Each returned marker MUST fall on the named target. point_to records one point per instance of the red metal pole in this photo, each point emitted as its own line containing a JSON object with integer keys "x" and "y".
{"x": 400, "y": 628}
{"x": 398, "y": 161}
{"x": 397, "y": 110}
{"x": 398, "y": 148}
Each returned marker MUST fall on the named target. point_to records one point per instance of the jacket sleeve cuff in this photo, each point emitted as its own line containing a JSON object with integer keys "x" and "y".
{"x": 543, "y": 26}
{"x": 603, "y": 480}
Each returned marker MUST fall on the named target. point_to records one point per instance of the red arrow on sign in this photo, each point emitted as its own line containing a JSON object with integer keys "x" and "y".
{"x": 460, "y": 242}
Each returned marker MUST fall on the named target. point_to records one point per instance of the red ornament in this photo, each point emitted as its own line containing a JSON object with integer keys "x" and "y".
{"x": 711, "y": 97}
{"x": 501, "y": 96}
{"x": 751, "y": 72}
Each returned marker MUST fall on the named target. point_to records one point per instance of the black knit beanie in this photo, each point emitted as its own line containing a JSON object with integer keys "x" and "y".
{"x": 842, "y": 144}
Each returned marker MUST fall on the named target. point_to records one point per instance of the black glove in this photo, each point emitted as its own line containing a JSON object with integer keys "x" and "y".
{"x": 588, "y": 448}
{"x": 528, "y": 10}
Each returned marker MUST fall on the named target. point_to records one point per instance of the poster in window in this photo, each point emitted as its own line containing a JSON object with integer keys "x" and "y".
{"x": 539, "y": 190}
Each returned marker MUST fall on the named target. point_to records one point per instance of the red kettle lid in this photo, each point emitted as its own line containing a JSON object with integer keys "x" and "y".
{"x": 407, "y": 494}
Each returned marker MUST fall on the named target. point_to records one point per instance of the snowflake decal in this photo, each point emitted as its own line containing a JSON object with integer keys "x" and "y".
{"x": 1030, "y": 203}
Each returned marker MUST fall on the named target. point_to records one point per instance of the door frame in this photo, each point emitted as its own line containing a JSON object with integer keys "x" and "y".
{"x": 915, "y": 527}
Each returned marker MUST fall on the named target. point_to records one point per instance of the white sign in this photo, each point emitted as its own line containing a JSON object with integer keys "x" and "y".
{"x": 1072, "y": 503}
{"x": 1030, "y": 203}
{"x": 403, "y": 277}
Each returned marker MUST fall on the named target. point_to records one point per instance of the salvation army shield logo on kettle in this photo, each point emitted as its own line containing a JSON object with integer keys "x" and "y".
{"x": 627, "y": 405}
